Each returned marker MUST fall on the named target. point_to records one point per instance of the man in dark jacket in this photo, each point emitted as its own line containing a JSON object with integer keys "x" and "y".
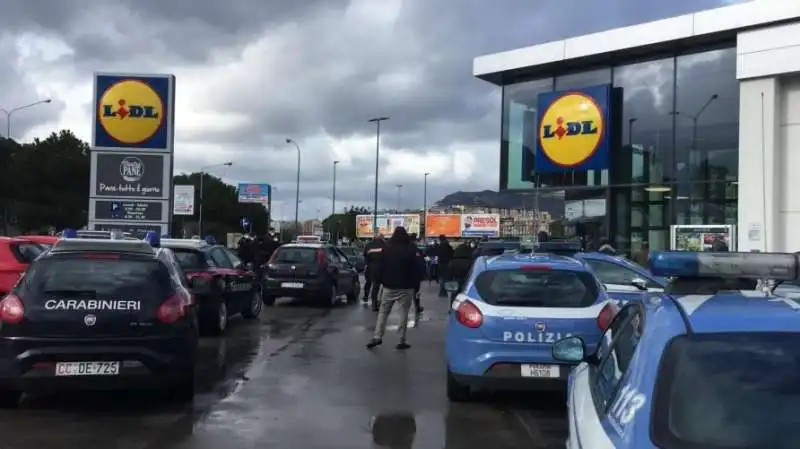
{"x": 245, "y": 249}
{"x": 399, "y": 272}
{"x": 445, "y": 256}
{"x": 372, "y": 253}
{"x": 461, "y": 263}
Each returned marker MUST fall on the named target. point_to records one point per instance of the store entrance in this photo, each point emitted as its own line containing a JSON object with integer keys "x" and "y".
{"x": 591, "y": 232}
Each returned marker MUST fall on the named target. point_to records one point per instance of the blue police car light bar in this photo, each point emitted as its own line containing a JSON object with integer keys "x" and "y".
{"x": 210, "y": 240}
{"x": 684, "y": 264}
{"x": 69, "y": 234}
{"x": 153, "y": 239}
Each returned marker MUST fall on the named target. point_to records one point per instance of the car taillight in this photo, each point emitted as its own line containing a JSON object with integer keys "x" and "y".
{"x": 322, "y": 260}
{"x": 606, "y": 315}
{"x": 469, "y": 315}
{"x": 173, "y": 309}
{"x": 11, "y": 309}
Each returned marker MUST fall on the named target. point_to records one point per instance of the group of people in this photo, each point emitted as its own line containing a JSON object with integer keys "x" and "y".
{"x": 256, "y": 250}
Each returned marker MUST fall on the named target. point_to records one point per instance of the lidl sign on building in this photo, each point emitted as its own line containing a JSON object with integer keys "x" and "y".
{"x": 133, "y": 119}
{"x": 573, "y": 131}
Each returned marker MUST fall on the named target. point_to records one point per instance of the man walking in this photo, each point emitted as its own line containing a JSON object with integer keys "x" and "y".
{"x": 400, "y": 273}
{"x": 372, "y": 253}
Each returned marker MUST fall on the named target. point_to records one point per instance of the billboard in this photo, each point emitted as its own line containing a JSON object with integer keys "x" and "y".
{"x": 386, "y": 224}
{"x": 448, "y": 225}
{"x": 480, "y": 225}
{"x": 254, "y": 193}
{"x": 183, "y": 200}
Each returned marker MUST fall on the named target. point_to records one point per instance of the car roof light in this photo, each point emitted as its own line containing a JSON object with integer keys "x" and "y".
{"x": 69, "y": 234}
{"x": 153, "y": 239}
{"x": 685, "y": 264}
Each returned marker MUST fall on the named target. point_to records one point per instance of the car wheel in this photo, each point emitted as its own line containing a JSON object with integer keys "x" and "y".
{"x": 457, "y": 392}
{"x": 216, "y": 321}
{"x": 183, "y": 390}
{"x": 353, "y": 295}
{"x": 10, "y": 398}
{"x": 329, "y": 298}
{"x": 254, "y": 306}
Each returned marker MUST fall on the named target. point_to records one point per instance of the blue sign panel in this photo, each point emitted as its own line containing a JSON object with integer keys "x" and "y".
{"x": 573, "y": 130}
{"x": 134, "y": 112}
{"x": 254, "y": 193}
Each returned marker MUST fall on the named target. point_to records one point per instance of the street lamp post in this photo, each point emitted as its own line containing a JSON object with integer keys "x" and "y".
{"x": 333, "y": 200}
{"x": 297, "y": 191}
{"x": 377, "y": 121}
{"x": 10, "y": 112}
{"x": 202, "y": 190}
{"x": 704, "y": 156}
{"x": 425, "y": 204}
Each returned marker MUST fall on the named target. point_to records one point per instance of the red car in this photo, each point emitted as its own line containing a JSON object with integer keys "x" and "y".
{"x": 16, "y": 253}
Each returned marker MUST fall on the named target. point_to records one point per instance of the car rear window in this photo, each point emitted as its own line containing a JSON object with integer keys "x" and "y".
{"x": 124, "y": 276}
{"x": 27, "y": 252}
{"x": 296, "y": 255}
{"x": 190, "y": 259}
{"x": 537, "y": 288}
{"x": 729, "y": 391}
{"x": 496, "y": 250}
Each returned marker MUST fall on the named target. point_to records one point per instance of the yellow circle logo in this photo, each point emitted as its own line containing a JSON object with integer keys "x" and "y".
{"x": 571, "y": 129}
{"x": 131, "y": 112}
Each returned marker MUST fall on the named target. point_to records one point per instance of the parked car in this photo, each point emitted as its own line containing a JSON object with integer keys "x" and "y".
{"x": 355, "y": 256}
{"x": 223, "y": 286}
{"x": 16, "y": 253}
{"x": 317, "y": 272}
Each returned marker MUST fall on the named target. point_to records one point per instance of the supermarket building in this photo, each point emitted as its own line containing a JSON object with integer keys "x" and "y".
{"x": 690, "y": 120}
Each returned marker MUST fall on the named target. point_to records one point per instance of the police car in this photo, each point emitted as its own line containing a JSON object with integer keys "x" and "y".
{"x": 511, "y": 310}
{"x": 98, "y": 314}
{"x": 704, "y": 365}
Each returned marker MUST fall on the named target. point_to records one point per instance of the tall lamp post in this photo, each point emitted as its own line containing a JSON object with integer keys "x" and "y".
{"x": 704, "y": 156}
{"x": 425, "y": 204}
{"x": 399, "y": 190}
{"x": 202, "y": 190}
{"x": 10, "y": 112}
{"x": 333, "y": 200}
{"x": 377, "y": 121}
{"x": 297, "y": 191}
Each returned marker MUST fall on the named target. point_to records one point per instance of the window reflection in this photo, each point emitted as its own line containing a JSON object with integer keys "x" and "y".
{"x": 519, "y": 132}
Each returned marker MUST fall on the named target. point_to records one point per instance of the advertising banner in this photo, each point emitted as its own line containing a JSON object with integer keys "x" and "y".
{"x": 130, "y": 175}
{"x": 183, "y": 200}
{"x": 448, "y": 225}
{"x": 480, "y": 225}
{"x": 254, "y": 193}
{"x": 386, "y": 224}
{"x": 702, "y": 237}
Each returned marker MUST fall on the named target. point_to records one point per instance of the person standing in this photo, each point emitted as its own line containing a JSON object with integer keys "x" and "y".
{"x": 372, "y": 253}
{"x": 445, "y": 256}
{"x": 399, "y": 272}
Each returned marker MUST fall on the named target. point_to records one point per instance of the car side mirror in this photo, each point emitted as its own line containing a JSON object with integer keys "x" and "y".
{"x": 451, "y": 286}
{"x": 570, "y": 350}
{"x": 639, "y": 283}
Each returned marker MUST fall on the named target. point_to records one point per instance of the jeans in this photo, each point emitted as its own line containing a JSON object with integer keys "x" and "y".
{"x": 371, "y": 289}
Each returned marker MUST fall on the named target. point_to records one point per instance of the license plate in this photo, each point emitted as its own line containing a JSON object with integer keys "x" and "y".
{"x": 292, "y": 285}
{"x": 87, "y": 369}
{"x": 541, "y": 371}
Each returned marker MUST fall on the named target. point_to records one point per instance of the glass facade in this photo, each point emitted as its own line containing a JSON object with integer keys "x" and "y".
{"x": 674, "y": 150}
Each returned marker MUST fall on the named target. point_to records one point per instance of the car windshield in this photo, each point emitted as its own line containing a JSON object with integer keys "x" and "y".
{"x": 729, "y": 391}
{"x": 190, "y": 259}
{"x": 296, "y": 255}
{"x": 495, "y": 249}
{"x": 537, "y": 288}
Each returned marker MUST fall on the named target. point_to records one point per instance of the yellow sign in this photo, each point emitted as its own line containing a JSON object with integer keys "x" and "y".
{"x": 571, "y": 129}
{"x": 130, "y": 111}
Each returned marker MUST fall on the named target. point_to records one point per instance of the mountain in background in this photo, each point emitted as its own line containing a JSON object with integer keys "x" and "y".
{"x": 504, "y": 200}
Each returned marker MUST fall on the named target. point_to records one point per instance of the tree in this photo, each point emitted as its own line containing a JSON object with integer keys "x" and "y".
{"x": 343, "y": 224}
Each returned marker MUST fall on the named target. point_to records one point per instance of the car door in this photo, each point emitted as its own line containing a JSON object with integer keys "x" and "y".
{"x": 351, "y": 271}
{"x": 243, "y": 279}
{"x": 593, "y": 388}
{"x": 224, "y": 268}
{"x": 619, "y": 280}
{"x": 341, "y": 269}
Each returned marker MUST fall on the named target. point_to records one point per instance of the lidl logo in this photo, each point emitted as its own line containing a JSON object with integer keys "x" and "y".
{"x": 133, "y": 112}
{"x": 572, "y": 132}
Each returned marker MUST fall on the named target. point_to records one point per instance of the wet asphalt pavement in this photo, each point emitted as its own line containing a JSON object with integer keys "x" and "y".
{"x": 299, "y": 378}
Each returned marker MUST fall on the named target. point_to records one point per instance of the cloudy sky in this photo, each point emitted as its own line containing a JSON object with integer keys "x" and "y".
{"x": 252, "y": 73}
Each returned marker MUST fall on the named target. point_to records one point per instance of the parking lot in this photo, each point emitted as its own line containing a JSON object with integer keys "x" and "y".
{"x": 299, "y": 377}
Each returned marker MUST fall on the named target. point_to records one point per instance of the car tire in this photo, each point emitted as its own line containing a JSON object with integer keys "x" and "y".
{"x": 457, "y": 392}
{"x": 216, "y": 321}
{"x": 329, "y": 299}
{"x": 254, "y": 306}
{"x": 352, "y": 297}
{"x": 10, "y": 398}
{"x": 183, "y": 390}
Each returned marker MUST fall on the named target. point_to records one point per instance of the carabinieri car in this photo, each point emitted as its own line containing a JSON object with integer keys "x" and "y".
{"x": 511, "y": 310}
{"x": 703, "y": 365}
